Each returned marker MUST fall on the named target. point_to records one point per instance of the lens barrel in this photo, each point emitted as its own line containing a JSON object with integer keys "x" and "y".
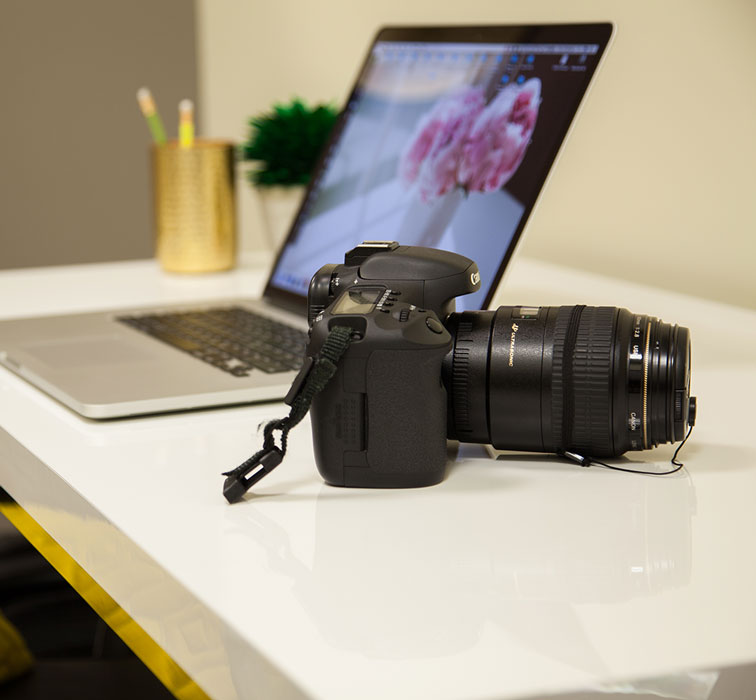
{"x": 598, "y": 381}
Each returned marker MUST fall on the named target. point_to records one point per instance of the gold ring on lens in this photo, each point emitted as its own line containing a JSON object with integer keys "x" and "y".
{"x": 645, "y": 387}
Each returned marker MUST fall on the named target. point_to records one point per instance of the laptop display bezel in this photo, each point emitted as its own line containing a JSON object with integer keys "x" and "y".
{"x": 593, "y": 33}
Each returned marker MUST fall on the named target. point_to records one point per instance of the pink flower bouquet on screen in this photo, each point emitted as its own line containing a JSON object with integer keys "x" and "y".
{"x": 497, "y": 142}
{"x": 435, "y": 149}
{"x": 462, "y": 142}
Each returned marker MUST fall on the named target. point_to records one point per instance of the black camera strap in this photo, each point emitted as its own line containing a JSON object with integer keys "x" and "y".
{"x": 312, "y": 378}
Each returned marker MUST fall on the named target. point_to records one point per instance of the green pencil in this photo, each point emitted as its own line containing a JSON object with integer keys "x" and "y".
{"x": 147, "y": 105}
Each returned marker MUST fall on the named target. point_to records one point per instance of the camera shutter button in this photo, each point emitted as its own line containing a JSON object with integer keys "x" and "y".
{"x": 434, "y": 325}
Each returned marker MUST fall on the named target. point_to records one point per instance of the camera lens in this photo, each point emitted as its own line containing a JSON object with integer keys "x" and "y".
{"x": 593, "y": 380}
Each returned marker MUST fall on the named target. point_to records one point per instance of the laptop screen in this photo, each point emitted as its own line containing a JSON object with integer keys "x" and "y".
{"x": 445, "y": 141}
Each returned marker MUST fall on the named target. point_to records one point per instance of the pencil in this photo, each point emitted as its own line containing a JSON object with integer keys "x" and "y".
{"x": 186, "y": 123}
{"x": 147, "y": 105}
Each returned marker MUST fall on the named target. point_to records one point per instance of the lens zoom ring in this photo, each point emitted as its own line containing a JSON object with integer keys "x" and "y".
{"x": 591, "y": 380}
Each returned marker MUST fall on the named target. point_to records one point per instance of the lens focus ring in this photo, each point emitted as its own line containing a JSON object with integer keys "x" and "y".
{"x": 582, "y": 380}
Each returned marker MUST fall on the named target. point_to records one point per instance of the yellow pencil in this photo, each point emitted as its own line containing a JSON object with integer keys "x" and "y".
{"x": 186, "y": 124}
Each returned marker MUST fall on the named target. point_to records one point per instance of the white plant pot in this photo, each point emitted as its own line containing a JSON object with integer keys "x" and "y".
{"x": 278, "y": 207}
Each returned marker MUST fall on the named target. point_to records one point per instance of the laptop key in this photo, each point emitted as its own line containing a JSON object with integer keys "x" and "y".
{"x": 233, "y": 339}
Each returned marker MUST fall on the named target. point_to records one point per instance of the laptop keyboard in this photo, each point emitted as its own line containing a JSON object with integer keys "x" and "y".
{"x": 232, "y": 338}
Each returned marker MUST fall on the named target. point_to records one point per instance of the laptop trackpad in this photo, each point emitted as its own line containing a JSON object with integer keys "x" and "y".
{"x": 86, "y": 351}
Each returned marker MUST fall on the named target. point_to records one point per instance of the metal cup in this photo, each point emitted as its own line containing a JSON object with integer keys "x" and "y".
{"x": 195, "y": 208}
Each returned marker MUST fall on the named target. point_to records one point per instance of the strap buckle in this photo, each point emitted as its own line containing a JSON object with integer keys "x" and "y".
{"x": 312, "y": 378}
{"x": 241, "y": 479}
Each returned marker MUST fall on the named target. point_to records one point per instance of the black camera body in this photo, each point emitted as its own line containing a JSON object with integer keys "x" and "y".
{"x": 580, "y": 381}
{"x": 381, "y": 420}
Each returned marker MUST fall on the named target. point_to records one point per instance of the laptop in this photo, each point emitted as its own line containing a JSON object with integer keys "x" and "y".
{"x": 445, "y": 141}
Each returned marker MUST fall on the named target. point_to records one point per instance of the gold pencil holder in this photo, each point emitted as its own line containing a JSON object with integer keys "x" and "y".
{"x": 195, "y": 206}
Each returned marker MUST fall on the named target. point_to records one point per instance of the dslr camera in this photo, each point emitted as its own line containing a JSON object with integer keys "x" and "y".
{"x": 595, "y": 381}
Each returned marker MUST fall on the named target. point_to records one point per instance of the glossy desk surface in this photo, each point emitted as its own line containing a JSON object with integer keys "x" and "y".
{"x": 513, "y": 577}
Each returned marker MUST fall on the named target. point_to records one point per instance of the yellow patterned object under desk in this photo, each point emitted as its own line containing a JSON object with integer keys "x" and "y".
{"x": 15, "y": 657}
{"x": 164, "y": 668}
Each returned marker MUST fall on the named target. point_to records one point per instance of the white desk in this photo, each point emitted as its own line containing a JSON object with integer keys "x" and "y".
{"x": 512, "y": 577}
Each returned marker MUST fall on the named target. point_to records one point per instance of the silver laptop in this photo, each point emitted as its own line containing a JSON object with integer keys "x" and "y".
{"x": 445, "y": 141}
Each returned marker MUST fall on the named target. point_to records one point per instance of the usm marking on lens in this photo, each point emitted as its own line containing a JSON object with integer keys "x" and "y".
{"x": 515, "y": 328}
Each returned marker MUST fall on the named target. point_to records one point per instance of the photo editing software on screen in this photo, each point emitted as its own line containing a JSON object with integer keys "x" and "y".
{"x": 442, "y": 145}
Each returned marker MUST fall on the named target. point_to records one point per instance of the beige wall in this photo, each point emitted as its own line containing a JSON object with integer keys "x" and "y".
{"x": 74, "y": 167}
{"x": 657, "y": 180}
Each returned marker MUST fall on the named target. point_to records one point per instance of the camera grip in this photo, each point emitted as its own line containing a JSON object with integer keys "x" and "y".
{"x": 381, "y": 422}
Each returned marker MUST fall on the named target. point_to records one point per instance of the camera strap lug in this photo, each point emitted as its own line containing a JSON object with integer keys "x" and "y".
{"x": 312, "y": 378}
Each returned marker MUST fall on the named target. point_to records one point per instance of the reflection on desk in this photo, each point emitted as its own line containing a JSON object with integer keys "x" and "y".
{"x": 520, "y": 567}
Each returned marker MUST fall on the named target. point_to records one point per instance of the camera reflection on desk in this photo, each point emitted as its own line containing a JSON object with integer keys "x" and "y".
{"x": 554, "y": 543}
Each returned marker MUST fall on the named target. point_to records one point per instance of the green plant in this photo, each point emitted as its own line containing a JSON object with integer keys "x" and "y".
{"x": 286, "y": 142}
